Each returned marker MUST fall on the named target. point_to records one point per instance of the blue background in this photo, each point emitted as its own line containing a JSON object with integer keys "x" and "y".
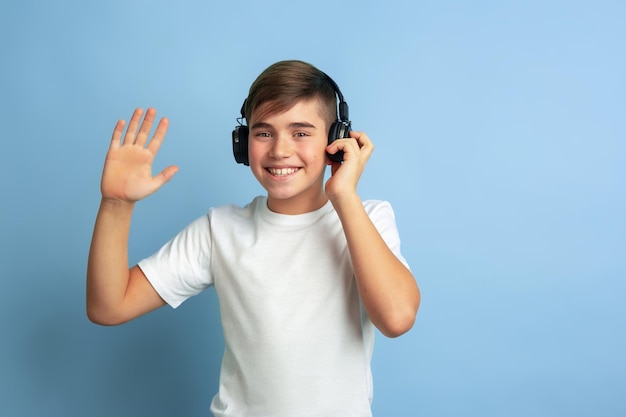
{"x": 500, "y": 135}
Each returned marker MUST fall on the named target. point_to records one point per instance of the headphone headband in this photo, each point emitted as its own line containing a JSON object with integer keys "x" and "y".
{"x": 344, "y": 113}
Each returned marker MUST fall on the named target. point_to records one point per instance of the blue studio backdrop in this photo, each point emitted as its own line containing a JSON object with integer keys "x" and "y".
{"x": 500, "y": 142}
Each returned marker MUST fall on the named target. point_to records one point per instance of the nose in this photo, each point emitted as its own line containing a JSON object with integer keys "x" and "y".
{"x": 282, "y": 147}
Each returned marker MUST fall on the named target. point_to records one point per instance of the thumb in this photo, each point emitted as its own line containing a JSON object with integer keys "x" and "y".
{"x": 164, "y": 176}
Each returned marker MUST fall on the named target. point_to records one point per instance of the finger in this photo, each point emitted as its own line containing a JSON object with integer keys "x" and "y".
{"x": 131, "y": 132}
{"x": 145, "y": 128}
{"x": 117, "y": 134}
{"x": 347, "y": 145}
{"x": 159, "y": 135}
{"x": 164, "y": 176}
{"x": 365, "y": 143}
{"x": 361, "y": 138}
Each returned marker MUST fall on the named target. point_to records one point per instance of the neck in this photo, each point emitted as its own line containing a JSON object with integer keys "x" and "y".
{"x": 296, "y": 205}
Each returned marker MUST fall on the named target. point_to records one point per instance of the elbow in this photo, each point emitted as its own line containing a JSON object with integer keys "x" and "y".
{"x": 397, "y": 326}
{"x": 101, "y": 318}
{"x": 401, "y": 320}
{"x": 98, "y": 319}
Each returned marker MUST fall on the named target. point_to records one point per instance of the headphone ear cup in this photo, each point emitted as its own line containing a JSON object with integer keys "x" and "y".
{"x": 240, "y": 144}
{"x": 338, "y": 130}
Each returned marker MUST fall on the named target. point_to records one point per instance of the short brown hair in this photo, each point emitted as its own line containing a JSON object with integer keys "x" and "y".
{"x": 285, "y": 83}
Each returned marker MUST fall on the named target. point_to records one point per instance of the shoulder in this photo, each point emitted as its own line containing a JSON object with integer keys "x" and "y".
{"x": 373, "y": 207}
{"x": 235, "y": 210}
{"x": 233, "y": 218}
{"x": 381, "y": 214}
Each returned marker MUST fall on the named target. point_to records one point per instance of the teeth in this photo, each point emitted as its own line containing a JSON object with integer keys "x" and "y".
{"x": 282, "y": 171}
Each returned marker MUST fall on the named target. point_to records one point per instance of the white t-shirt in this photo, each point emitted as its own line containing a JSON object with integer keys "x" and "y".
{"x": 298, "y": 343}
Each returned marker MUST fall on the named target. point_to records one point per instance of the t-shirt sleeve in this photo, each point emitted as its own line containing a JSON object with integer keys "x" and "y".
{"x": 182, "y": 267}
{"x": 382, "y": 215}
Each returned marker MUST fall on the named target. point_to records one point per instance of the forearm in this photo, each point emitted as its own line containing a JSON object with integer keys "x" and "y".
{"x": 387, "y": 288}
{"x": 107, "y": 268}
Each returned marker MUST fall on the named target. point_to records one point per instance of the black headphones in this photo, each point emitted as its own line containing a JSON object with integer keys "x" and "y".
{"x": 338, "y": 130}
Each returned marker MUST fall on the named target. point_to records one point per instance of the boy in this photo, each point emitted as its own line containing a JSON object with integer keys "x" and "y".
{"x": 302, "y": 274}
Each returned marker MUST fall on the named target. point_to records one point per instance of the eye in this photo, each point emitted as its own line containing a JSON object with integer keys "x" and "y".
{"x": 263, "y": 135}
{"x": 301, "y": 134}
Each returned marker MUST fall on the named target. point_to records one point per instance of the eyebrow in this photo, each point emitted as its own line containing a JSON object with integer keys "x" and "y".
{"x": 295, "y": 125}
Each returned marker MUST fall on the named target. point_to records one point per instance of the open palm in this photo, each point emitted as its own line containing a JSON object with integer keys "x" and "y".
{"x": 127, "y": 174}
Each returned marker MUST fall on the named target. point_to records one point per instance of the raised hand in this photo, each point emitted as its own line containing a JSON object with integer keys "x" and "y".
{"x": 127, "y": 174}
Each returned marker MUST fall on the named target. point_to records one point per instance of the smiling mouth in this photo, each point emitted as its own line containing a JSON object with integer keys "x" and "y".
{"x": 282, "y": 172}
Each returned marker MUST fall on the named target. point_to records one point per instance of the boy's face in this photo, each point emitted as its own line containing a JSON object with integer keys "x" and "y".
{"x": 287, "y": 153}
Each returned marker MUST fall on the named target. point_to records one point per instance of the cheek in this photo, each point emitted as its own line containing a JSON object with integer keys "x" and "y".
{"x": 254, "y": 151}
{"x": 317, "y": 158}
{"x": 318, "y": 152}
